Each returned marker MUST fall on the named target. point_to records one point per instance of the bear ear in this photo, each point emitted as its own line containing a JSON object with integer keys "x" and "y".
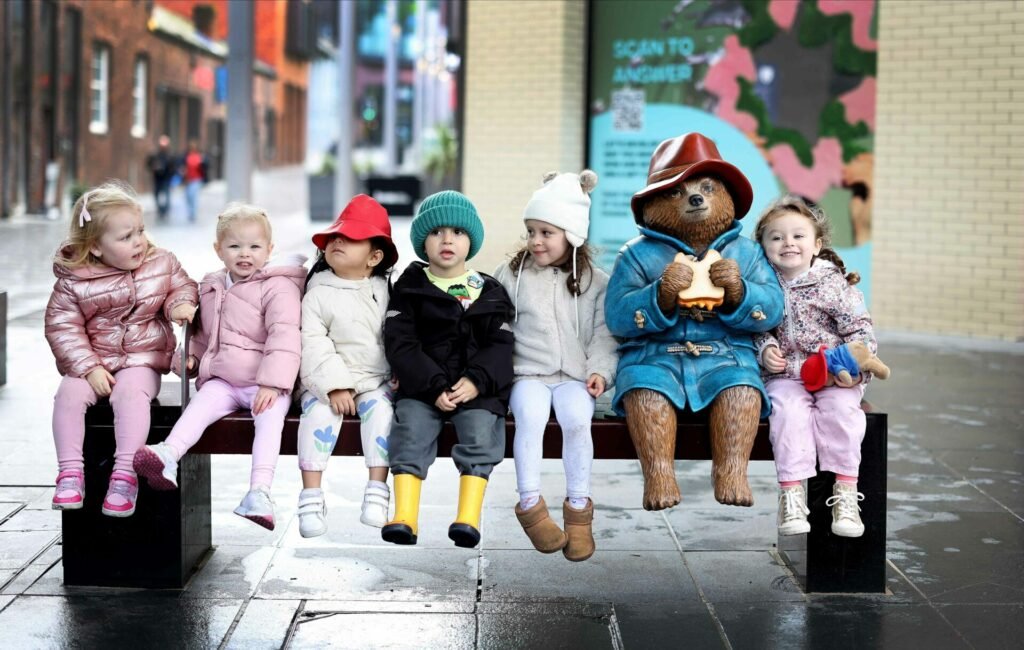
{"x": 548, "y": 177}
{"x": 588, "y": 180}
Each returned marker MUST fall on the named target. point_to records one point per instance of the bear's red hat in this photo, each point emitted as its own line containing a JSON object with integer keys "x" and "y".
{"x": 692, "y": 154}
{"x": 814, "y": 372}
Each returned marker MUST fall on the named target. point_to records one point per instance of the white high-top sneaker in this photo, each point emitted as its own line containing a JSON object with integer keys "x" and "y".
{"x": 793, "y": 511}
{"x": 845, "y": 511}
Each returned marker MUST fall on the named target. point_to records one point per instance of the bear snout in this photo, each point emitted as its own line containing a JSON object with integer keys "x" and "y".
{"x": 696, "y": 200}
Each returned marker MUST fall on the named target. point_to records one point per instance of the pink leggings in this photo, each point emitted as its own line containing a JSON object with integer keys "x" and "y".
{"x": 218, "y": 398}
{"x": 827, "y": 426}
{"x": 133, "y": 390}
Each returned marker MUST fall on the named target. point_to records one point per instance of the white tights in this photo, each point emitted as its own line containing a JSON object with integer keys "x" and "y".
{"x": 531, "y": 403}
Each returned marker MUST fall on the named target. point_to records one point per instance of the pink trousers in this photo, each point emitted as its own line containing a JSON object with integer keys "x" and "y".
{"x": 218, "y": 398}
{"x": 827, "y": 426}
{"x": 133, "y": 390}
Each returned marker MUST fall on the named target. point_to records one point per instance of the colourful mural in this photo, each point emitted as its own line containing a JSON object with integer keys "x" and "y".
{"x": 786, "y": 88}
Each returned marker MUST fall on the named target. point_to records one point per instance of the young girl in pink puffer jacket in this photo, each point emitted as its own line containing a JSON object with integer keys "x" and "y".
{"x": 247, "y": 351}
{"x": 108, "y": 323}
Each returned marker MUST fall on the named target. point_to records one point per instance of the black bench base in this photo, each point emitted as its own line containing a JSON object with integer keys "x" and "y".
{"x": 158, "y": 547}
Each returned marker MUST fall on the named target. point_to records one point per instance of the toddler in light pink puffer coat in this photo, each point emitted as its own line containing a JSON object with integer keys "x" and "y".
{"x": 108, "y": 323}
{"x": 245, "y": 353}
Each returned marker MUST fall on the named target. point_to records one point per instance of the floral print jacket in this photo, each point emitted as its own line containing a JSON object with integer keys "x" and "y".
{"x": 821, "y": 308}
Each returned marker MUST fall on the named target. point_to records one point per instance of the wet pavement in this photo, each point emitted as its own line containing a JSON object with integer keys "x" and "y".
{"x": 700, "y": 575}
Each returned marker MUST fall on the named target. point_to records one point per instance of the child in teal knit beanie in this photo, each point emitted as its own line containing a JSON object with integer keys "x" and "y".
{"x": 449, "y": 343}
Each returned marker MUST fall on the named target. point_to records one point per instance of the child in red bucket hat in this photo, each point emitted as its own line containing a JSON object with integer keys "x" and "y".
{"x": 343, "y": 370}
{"x": 813, "y": 421}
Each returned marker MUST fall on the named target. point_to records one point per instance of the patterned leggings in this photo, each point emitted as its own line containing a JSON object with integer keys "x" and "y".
{"x": 319, "y": 427}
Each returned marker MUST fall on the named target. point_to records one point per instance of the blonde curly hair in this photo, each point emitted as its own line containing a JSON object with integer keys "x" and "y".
{"x": 85, "y": 230}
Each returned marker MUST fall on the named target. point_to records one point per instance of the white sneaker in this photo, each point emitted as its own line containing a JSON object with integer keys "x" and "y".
{"x": 312, "y": 513}
{"x": 845, "y": 511}
{"x": 376, "y": 498}
{"x": 158, "y": 464}
{"x": 257, "y": 507}
{"x": 793, "y": 511}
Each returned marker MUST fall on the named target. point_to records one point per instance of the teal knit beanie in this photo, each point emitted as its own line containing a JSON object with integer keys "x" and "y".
{"x": 448, "y": 208}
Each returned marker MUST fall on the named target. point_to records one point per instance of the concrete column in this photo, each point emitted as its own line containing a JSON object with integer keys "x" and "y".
{"x": 391, "y": 88}
{"x": 240, "y": 118}
{"x": 344, "y": 182}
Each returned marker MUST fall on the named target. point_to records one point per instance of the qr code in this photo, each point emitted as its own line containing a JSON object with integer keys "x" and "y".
{"x": 628, "y": 109}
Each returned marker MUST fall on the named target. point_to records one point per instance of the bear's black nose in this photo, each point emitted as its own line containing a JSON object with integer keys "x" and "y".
{"x": 696, "y": 200}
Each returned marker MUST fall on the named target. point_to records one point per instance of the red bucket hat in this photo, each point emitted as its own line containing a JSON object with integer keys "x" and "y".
{"x": 688, "y": 155}
{"x": 814, "y": 371}
{"x": 363, "y": 218}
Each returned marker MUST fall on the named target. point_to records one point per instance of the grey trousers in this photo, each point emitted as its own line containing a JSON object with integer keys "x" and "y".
{"x": 412, "y": 444}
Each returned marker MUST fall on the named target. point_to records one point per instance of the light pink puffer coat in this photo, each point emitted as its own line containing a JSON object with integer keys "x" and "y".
{"x": 249, "y": 334}
{"x": 102, "y": 316}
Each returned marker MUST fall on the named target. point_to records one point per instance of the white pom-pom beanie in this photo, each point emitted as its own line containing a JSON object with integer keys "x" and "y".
{"x": 562, "y": 203}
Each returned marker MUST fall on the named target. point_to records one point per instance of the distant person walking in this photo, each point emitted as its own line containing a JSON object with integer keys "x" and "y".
{"x": 194, "y": 166}
{"x": 162, "y": 164}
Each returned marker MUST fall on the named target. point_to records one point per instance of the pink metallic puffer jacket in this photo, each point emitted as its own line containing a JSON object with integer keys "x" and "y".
{"x": 102, "y": 316}
{"x": 249, "y": 334}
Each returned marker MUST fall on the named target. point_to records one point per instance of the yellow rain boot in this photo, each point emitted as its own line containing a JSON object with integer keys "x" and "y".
{"x": 465, "y": 531}
{"x": 403, "y": 528}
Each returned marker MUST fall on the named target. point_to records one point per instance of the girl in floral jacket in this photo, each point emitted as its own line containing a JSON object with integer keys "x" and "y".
{"x": 823, "y": 309}
{"x": 246, "y": 353}
{"x": 108, "y": 323}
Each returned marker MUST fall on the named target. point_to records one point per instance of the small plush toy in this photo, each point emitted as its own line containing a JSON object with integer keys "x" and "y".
{"x": 840, "y": 365}
{"x": 701, "y": 292}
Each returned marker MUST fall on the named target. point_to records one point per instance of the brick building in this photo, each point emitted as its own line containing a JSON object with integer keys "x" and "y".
{"x": 88, "y": 87}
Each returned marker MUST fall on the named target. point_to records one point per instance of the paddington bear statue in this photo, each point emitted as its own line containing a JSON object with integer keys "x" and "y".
{"x": 675, "y": 357}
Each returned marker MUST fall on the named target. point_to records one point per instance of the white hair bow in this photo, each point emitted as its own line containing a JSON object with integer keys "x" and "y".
{"x": 84, "y": 215}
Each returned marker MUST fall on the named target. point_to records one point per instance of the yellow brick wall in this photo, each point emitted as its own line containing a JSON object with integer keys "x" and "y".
{"x": 949, "y": 174}
{"x": 524, "y": 113}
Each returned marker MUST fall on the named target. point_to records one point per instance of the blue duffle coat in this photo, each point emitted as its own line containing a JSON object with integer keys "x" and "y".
{"x": 687, "y": 360}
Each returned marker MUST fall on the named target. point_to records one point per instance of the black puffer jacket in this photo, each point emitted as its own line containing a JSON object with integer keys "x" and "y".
{"x": 431, "y": 342}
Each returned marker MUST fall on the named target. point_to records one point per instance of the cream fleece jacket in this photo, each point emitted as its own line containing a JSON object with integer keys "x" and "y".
{"x": 547, "y": 347}
{"x": 343, "y": 334}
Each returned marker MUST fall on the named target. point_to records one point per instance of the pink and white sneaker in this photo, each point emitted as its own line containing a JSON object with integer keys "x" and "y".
{"x": 121, "y": 495}
{"x": 70, "y": 492}
{"x": 156, "y": 464}
{"x": 257, "y": 507}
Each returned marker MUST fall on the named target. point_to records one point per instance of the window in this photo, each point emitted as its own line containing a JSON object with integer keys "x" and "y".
{"x": 139, "y": 82}
{"x": 99, "y": 89}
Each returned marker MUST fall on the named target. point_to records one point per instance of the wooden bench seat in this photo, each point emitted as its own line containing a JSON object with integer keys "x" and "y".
{"x": 167, "y": 538}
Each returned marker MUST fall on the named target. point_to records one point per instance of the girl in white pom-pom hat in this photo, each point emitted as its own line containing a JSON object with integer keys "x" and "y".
{"x": 564, "y": 356}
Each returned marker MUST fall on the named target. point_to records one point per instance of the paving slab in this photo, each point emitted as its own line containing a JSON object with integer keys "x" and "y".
{"x": 107, "y": 622}
{"x": 743, "y": 576}
{"x": 385, "y": 631}
{"x": 607, "y": 577}
{"x": 415, "y": 574}
{"x": 837, "y": 627}
{"x": 264, "y": 624}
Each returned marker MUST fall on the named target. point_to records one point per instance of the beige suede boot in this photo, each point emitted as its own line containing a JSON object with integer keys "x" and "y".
{"x": 545, "y": 534}
{"x": 578, "y": 529}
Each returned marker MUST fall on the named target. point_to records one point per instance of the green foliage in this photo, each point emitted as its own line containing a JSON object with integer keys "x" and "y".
{"x": 442, "y": 159}
{"x": 76, "y": 190}
{"x": 855, "y": 139}
{"x": 749, "y": 102}
{"x": 327, "y": 165}
{"x": 817, "y": 29}
{"x": 761, "y": 27}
